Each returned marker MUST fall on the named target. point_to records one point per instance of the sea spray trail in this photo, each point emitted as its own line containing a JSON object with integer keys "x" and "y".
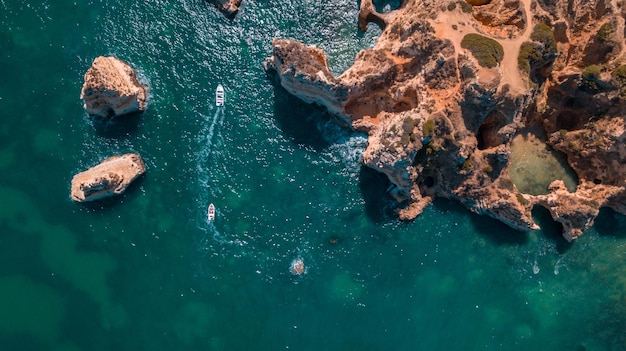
{"x": 218, "y": 118}
{"x": 211, "y": 160}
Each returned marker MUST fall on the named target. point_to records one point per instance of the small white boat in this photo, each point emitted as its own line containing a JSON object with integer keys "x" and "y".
{"x": 211, "y": 212}
{"x": 219, "y": 96}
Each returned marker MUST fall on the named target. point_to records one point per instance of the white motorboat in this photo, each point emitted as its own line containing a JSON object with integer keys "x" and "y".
{"x": 211, "y": 212}
{"x": 219, "y": 96}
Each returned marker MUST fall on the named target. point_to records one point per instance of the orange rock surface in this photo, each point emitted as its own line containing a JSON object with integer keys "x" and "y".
{"x": 111, "y": 177}
{"x": 111, "y": 88}
{"x": 440, "y": 124}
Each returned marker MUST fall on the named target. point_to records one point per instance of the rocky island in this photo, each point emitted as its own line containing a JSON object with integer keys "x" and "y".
{"x": 111, "y": 177}
{"x": 228, "y": 7}
{"x": 448, "y": 85}
{"x": 111, "y": 88}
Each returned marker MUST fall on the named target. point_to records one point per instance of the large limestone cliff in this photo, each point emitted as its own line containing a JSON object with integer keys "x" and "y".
{"x": 111, "y": 88}
{"x": 111, "y": 177}
{"x": 448, "y": 85}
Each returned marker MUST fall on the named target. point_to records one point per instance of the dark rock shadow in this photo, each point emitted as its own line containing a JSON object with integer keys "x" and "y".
{"x": 497, "y": 232}
{"x": 489, "y": 228}
{"x": 119, "y": 127}
{"x": 299, "y": 120}
{"x": 550, "y": 228}
{"x": 610, "y": 223}
{"x": 374, "y": 186}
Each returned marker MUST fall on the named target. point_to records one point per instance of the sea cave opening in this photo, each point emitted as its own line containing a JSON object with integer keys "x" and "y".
{"x": 550, "y": 228}
{"x": 487, "y": 134}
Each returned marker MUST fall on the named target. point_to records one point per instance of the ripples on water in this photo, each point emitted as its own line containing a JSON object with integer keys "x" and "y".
{"x": 286, "y": 182}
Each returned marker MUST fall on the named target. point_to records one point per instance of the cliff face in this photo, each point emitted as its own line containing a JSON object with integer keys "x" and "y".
{"x": 441, "y": 102}
{"x": 111, "y": 177}
{"x": 111, "y": 89}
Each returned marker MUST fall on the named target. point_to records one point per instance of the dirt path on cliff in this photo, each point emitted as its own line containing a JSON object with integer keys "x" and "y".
{"x": 454, "y": 25}
{"x": 511, "y": 74}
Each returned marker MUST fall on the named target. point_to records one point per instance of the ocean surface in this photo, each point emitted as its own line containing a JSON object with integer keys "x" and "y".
{"x": 145, "y": 271}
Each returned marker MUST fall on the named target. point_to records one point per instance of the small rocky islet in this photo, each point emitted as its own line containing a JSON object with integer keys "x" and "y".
{"x": 111, "y": 90}
{"x": 448, "y": 86}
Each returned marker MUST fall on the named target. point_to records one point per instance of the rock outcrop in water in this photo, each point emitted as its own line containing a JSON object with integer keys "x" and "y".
{"x": 111, "y": 88}
{"x": 228, "y": 7}
{"x": 111, "y": 177}
{"x": 448, "y": 85}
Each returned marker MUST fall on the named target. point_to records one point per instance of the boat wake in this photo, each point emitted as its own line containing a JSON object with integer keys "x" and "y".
{"x": 211, "y": 161}
{"x": 217, "y": 119}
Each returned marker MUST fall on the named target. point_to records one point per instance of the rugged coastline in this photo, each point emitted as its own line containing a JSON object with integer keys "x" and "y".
{"x": 447, "y": 87}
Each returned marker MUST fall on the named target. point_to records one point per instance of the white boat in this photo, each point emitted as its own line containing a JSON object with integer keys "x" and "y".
{"x": 219, "y": 96}
{"x": 211, "y": 212}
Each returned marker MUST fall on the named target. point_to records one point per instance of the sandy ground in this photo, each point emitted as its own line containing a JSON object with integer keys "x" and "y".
{"x": 510, "y": 73}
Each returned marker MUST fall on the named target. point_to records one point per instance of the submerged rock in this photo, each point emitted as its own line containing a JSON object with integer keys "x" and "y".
{"x": 440, "y": 120}
{"x": 111, "y": 177}
{"x": 297, "y": 266}
{"x": 111, "y": 88}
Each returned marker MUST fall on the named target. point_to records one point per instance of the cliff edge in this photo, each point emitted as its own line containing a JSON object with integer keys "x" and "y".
{"x": 448, "y": 85}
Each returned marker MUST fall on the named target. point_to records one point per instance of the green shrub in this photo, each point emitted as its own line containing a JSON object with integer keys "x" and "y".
{"x": 487, "y": 51}
{"x": 428, "y": 128}
{"x": 521, "y": 199}
{"x": 618, "y": 76}
{"x": 451, "y": 6}
{"x": 529, "y": 52}
{"x": 605, "y": 31}
{"x": 542, "y": 33}
{"x": 539, "y": 52}
{"x": 591, "y": 72}
{"x": 591, "y": 77}
{"x": 465, "y": 7}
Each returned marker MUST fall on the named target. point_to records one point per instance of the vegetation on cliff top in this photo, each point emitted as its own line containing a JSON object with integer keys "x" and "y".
{"x": 605, "y": 31}
{"x": 591, "y": 78}
{"x": 618, "y": 78}
{"x": 541, "y": 51}
{"x": 487, "y": 51}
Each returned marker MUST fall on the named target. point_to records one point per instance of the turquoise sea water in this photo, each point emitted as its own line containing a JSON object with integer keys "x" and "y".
{"x": 145, "y": 271}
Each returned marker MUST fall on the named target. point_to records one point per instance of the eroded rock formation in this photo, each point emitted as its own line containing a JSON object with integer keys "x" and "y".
{"x": 228, "y": 7}
{"x": 112, "y": 176}
{"x": 111, "y": 88}
{"x": 440, "y": 121}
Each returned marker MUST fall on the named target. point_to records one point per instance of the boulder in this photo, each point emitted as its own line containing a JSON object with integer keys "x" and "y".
{"x": 111, "y": 88}
{"x": 228, "y": 7}
{"x": 111, "y": 177}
